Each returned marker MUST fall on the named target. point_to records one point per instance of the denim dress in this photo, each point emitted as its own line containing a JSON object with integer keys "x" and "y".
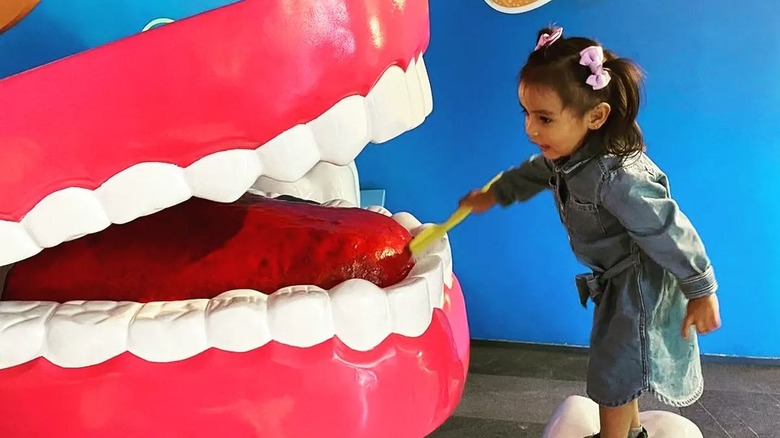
{"x": 645, "y": 262}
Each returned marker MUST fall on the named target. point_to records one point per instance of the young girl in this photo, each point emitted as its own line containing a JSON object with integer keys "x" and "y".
{"x": 651, "y": 278}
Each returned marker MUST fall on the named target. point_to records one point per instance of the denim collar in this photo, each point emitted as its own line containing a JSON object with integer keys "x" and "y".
{"x": 592, "y": 148}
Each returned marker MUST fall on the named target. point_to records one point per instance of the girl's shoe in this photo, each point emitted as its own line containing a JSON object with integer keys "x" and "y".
{"x": 642, "y": 434}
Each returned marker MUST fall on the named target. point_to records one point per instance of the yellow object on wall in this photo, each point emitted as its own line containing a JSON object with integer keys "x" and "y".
{"x": 515, "y": 6}
{"x": 13, "y": 11}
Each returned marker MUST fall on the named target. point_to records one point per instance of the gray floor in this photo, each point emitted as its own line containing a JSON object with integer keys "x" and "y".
{"x": 513, "y": 388}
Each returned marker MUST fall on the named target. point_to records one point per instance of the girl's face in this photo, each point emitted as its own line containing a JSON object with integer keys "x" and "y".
{"x": 556, "y": 130}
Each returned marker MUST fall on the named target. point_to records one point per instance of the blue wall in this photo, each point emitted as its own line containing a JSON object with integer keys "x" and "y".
{"x": 54, "y": 30}
{"x": 710, "y": 119}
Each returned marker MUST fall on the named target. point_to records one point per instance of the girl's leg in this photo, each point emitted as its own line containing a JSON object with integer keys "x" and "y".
{"x": 616, "y": 422}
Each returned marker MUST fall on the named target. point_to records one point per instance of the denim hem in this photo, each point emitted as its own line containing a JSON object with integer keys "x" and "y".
{"x": 660, "y": 397}
{"x": 621, "y": 402}
{"x": 680, "y": 403}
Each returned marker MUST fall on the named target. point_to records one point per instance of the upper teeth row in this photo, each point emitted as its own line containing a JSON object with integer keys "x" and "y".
{"x": 398, "y": 102}
{"x": 360, "y": 314}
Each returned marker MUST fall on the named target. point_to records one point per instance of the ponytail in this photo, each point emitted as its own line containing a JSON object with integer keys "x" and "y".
{"x": 621, "y": 130}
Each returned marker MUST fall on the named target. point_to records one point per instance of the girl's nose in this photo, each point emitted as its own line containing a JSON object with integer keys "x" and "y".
{"x": 530, "y": 129}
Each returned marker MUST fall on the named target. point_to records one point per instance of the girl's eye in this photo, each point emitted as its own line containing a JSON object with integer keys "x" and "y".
{"x": 545, "y": 120}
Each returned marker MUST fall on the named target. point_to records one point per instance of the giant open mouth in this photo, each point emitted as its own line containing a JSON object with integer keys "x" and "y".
{"x": 205, "y": 108}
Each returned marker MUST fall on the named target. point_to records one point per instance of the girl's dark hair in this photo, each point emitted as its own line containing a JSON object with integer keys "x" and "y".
{"x": 557, "y": 65}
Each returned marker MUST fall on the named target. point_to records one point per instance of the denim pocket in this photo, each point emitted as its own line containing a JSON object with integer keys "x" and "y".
{"x": 583, "y": 219}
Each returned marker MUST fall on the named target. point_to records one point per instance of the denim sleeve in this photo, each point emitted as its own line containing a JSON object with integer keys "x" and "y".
{"x": 644, "y": 207}
{"x": 523, "y": 182}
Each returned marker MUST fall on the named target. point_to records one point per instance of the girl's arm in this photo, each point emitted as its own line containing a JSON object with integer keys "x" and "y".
{"x": 522, "y": 182}
{"x": 641, "y": 202}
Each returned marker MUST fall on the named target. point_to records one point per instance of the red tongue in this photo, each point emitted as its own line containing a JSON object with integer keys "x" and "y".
{"x": 199, "y": 249}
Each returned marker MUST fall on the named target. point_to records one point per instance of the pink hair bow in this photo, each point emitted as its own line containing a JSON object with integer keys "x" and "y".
{"x": 593, "y": 57}
{"x": 546, "y": 39}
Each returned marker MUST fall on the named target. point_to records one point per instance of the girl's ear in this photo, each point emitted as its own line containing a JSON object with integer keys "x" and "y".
{"x": 598, "y": 115}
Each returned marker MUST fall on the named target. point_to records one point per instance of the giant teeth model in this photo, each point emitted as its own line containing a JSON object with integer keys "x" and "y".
{"x": 260, "y": 96}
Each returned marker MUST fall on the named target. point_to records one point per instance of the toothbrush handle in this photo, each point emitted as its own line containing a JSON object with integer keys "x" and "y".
{"x": 462, "y": 212}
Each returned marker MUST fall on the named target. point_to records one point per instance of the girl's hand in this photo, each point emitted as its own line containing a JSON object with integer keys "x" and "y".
{"x": 703, "y": 313}
{"x": 478, "y": 200}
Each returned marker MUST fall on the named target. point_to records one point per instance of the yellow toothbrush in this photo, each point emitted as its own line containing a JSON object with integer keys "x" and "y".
{"x": 437, "y": 231}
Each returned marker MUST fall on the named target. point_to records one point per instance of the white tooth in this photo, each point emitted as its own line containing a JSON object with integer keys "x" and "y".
{"x": 431, "y": 269}
{"x": 416, "y": 99}
{"x": 425, "y": 84}
{"x": 417, "y": 230}
{"x": 410, "y": 306}
{"x": 263, "y": 193}
{"x": 169, "y": 331}
{"x": 77, "y": 210}
{"x": 300, "y": 316}
{"x": 323, "y": 182}
{"x": 338, "y": 203}
{"x": 389, "y": 107}
{"x": 407, "y": 220}
{"x": 361, "y": 318}
{"x": 342, "y": 131}
{"x": 142, "y": 190}
{"x": 379, "y": 209}
{"x": 238, "y": 320}
{"x": 17, "y": 244}
{"x": 84, "y": 333}
{"x": 223, "y": 176}
{"x": 22, "y": 330}
{"x": 289, "y": 155}
{"x": 355, "y": 178}
{"x": 441, "y": 249}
